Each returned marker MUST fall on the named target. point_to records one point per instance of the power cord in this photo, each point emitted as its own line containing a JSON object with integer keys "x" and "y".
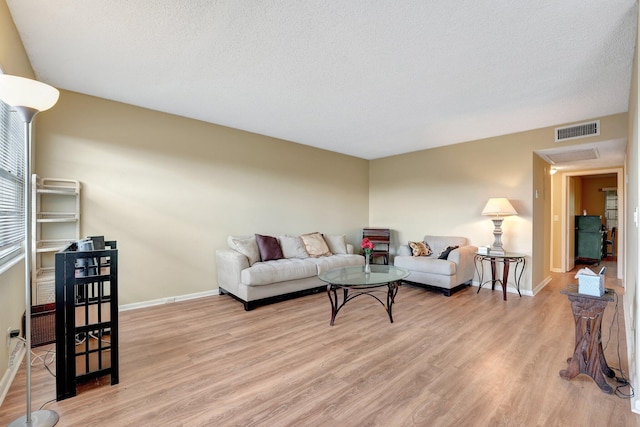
{"x": 622, "y": 379}
{"x": 91, "y": 335}
{"x": 49, "y": 357}
{"x": 46, "y": 403}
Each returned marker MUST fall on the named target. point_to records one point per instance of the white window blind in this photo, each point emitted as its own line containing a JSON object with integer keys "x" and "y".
{"x": 11, "y": 183}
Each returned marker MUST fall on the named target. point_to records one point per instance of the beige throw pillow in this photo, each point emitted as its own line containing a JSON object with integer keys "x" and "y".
{"x": 420, "y": 249}
{"x": 292, "y": 247}
{"x": 315, "y": 245}
{"x": 337, "y": 244}
{"x": 247, "y": 247}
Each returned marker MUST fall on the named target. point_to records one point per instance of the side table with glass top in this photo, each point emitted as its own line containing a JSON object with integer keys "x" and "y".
{"x": 508, "y": 258}
{"x": 355, "y": 282}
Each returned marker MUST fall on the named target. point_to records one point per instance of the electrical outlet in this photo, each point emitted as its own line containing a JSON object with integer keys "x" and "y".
{"x": 12, "y": 333}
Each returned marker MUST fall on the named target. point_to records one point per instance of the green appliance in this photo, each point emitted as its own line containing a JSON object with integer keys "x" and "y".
{"x": 589, "y": 237}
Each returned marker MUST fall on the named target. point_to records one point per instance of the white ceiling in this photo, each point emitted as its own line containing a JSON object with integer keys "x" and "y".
{"x": 367, "y": 78}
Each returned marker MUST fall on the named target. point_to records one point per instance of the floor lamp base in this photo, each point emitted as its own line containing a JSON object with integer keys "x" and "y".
{"x": 44, "y": 418}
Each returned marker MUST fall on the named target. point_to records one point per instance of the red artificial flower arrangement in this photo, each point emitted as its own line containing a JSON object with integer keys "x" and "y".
{"x": 367, "y": 246}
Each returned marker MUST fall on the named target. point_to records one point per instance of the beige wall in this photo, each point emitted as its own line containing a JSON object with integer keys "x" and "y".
{"x": 632, "y": 253}
{"x": 556, "y": 213}
{"x": 443, "y": 191}
{"x": 170, "y": 190}
{"x": 592, "y": 194}
{"x": 541, "y": 202}
{"x": 13, "y": 60}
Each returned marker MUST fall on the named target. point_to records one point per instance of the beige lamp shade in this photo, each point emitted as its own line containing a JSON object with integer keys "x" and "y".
{"x": 499, "y": 206}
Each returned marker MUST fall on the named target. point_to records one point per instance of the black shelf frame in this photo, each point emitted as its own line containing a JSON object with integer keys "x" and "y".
{"x": 86, "y": 286}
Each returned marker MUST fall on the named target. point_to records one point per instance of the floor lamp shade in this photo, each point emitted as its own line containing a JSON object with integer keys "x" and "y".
{"x": 22, "y": 93}
{"x": 28, "y": 97}
{"x": 498, "y": 208}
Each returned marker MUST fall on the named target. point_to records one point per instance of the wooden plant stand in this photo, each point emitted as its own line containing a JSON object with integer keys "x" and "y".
{"x": 588, "y": 357}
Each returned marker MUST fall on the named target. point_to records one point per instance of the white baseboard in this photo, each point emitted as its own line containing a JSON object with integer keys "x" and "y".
{"x": 10, "y": 373}
{"x": 542, "y": 284}
{"x": 167, "y": 300}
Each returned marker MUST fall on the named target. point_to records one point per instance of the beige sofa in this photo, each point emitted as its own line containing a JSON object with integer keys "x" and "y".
{"x": 244, "y": 274}
{"x": 448, "y": 275}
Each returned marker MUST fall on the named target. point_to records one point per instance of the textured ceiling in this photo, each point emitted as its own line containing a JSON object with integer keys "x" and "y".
{"x": 362, "y": 77}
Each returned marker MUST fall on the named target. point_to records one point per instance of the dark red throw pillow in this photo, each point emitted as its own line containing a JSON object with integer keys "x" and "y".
{"x": 269, "y": 247}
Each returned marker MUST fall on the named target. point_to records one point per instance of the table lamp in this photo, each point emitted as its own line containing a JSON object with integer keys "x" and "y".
{"x": 498, "y": 208}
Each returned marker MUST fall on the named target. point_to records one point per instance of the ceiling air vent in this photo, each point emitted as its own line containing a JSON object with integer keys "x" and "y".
{"x": 581, "y": 130}
{"x": 572, "y": 156}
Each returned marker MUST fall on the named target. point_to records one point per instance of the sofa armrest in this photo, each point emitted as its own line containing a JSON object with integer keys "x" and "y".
{"x": 464, "y": 258}
{"x": 229, "y": 265}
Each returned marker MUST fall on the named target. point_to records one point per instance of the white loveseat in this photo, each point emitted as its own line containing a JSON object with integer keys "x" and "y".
{"x": 256, "y": 278}
{"x": 450, "y": 274}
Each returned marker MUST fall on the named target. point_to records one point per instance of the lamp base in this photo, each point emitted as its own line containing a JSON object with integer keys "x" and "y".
{"x": 496, "y": 248}
{"x": 43, "y": 418}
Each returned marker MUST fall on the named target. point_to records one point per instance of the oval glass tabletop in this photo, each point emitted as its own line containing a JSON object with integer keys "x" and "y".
{"x": 505, "y": 255}
{"x": 355, "y": 276}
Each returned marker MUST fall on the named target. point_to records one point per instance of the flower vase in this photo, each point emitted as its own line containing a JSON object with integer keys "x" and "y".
{"x": 367, "y": 267}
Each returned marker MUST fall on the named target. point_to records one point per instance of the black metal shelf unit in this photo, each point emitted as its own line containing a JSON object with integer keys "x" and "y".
{"x": 86, "y": 285}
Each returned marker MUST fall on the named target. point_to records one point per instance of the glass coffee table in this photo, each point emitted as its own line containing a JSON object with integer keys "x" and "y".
{"x": 355, "y": 282}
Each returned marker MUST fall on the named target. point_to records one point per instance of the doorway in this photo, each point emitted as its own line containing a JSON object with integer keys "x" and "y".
{"x": 585, "y": 192}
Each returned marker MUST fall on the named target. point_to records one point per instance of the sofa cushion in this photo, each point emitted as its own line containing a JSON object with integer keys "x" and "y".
{"x": 293, "y": 247}
{"x": 315, "y": 245}
{"x": 281, "y": 270}
{"x": 332, "y": 262}
{"x": 269, "y": 247}
{"x": 247, "y": 246}
{"x": 426, "y": 265}
{"x": 420, "y": 249}
{"x": 444, "y": 254}
{"x": 337, "y": 244}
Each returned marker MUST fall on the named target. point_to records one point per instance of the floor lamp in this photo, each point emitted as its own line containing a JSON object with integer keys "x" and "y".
{"x": 28, "y": 98}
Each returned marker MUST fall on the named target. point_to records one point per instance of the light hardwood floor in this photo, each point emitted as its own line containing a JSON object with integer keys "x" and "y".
{"x": 471, "y": 359}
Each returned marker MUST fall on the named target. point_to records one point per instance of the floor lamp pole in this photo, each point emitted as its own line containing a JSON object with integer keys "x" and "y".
{"x": 46, "y": 417}
{"x": 13, "y": 88}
